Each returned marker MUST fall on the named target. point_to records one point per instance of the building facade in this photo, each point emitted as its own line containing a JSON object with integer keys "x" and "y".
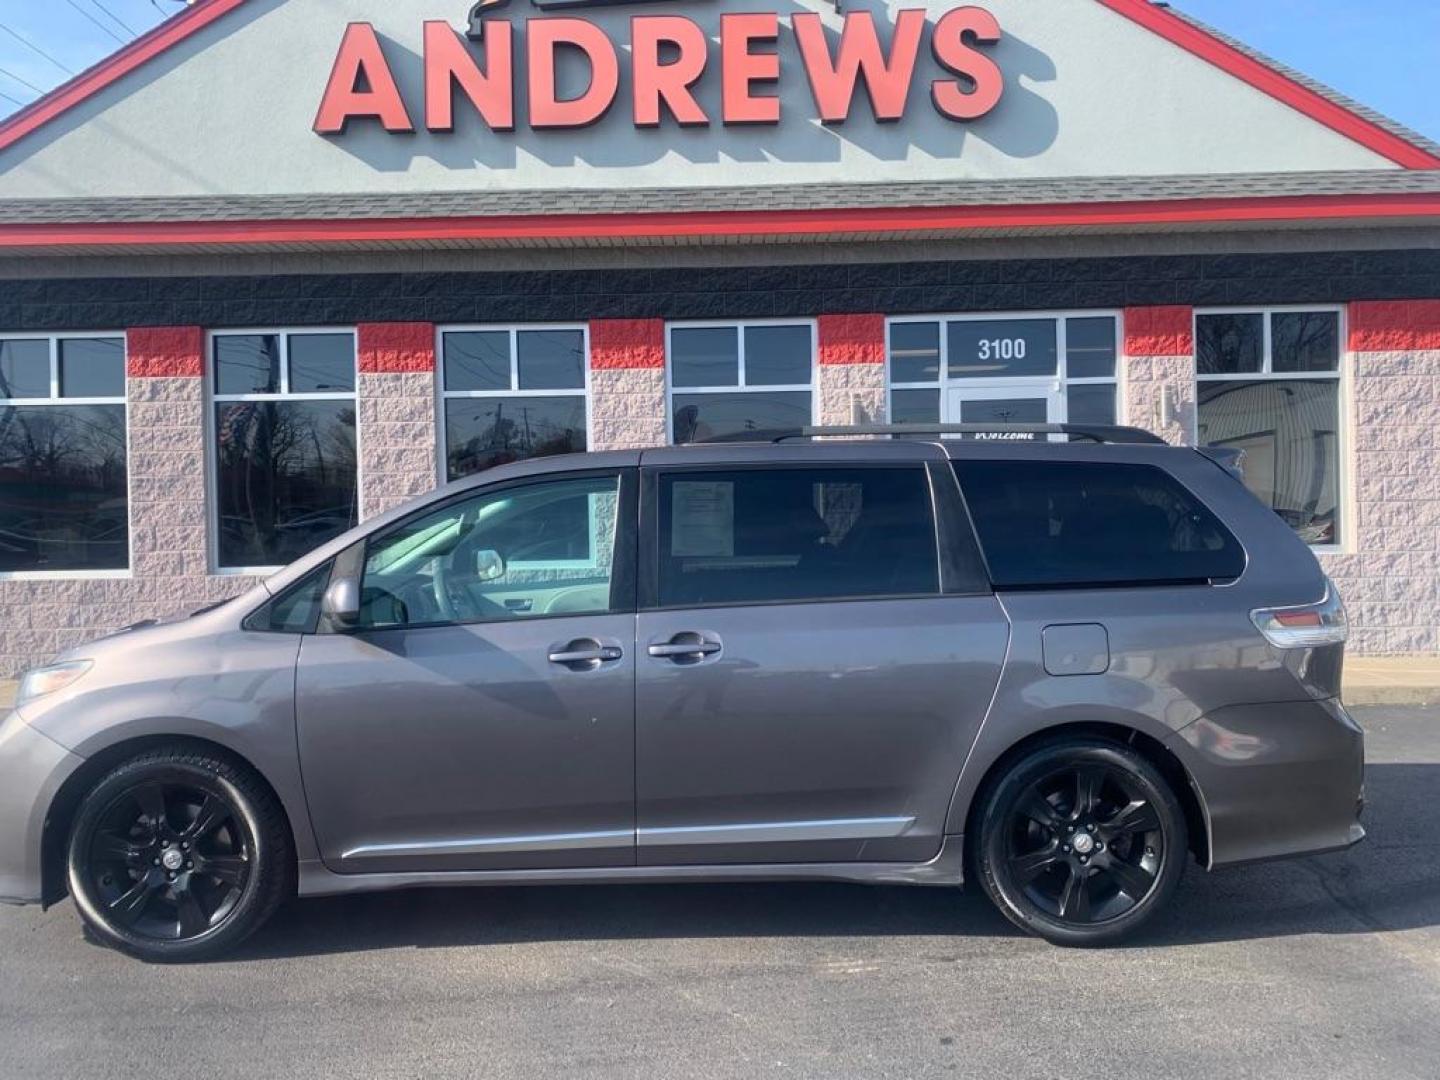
{"x": 283, "y": 264}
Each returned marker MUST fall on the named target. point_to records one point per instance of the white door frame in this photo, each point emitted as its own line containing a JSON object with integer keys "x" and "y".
{"x": 1047, "y": 388}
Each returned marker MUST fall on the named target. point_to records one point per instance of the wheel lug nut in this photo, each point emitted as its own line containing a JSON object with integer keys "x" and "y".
{"x": 1069, "y": 828}
{"x": 1067, "y": 847}
{"x": 157, "y": 862}
{"x": 1084, "y": 858}
{"x": 1090, "y": 827}
{"x": 1099, "y": 847}
{"x": 171, "y": 876}
{"x": 189, "y": 866}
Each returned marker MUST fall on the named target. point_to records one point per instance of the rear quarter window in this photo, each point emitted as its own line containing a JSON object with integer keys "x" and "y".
{"x": 1061, "y": 524}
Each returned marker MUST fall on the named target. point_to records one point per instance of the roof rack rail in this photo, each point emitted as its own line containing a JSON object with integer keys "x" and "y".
{"x": 1098, "y": 433}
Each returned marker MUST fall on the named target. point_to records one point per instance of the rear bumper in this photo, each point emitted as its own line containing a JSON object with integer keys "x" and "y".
{"x": 1277, "y": 780}
{"x": 32, "y": 768}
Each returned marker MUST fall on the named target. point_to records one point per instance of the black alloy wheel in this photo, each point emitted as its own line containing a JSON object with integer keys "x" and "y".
{"x": 178, "y": 856}
{"x": 1081, "y": 842}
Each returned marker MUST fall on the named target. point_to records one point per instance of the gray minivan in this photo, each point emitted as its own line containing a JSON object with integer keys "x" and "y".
{"x": 1059, "y": 661}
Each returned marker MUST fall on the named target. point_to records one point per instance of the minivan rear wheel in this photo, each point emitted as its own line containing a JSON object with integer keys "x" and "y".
{"x": 1081, "y": 841}
{"x": 178, "y": 855}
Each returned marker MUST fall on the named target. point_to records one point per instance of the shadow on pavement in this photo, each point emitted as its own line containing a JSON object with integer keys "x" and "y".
{"x": 1391, "y": 882}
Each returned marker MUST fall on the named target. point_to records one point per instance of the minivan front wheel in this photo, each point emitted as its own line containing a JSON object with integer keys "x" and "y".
{"x": 178, "y": 855}
{"x": 1081, "y": 842}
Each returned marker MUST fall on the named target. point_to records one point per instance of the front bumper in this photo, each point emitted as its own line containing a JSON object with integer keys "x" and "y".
{"x": 32, "y": 768}
{"x": 1277, "y": 780}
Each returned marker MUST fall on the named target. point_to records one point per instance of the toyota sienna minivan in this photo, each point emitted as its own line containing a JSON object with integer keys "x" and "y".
{"x": 1057, "y": 662}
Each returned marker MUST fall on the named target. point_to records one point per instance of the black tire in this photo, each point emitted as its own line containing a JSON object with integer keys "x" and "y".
{"x": 189, "y": 876}
{"x": 1081, "y": 842}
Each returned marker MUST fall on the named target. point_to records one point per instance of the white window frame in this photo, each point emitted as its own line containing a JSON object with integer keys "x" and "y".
{"x": 739, "y": 326}
{"x": 946, "y": 382}
{"x": 55, "y": 400}
{"x": 444, "y": 395}
{"x": 212, "y": 448}
{"x": 1342, "y": 376}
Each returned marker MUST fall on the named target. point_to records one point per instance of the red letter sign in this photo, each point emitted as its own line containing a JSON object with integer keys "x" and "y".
{"x": 361, "y": 57}
{"x": 546, "y": 110}
{"x": 740, "y": 68}
{"x": 668, "y": 83}
{"x": 448, "y": 62}
{"x": 887, "y": 80}
{"x": 957, "y": 55}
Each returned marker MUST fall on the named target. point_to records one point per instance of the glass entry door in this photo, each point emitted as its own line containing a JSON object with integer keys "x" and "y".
{"x": 1041, "y": 403}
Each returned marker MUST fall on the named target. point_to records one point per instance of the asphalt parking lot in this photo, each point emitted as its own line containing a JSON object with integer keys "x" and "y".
{"x": 1324, "y": 967}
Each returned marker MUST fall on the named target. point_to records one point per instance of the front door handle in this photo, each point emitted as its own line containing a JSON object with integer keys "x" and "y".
{"x": 585, "y": 654}
{"x": 686, "y": 648}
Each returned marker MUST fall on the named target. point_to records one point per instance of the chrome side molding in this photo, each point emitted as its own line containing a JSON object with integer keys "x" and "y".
{"x": 767, "y": 832}
{"x": 778, "y": 832}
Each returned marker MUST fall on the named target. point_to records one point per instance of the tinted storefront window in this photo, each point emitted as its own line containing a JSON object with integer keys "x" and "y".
{"x": 285, "y": 450}
{"x": 749, "y": 377}
{"x": 1289, "y": 432}
{"x": 481, "y": 433}
{"x": 64, "y": 490}
{"x": 511, "y": 394}
{"x": 1270, "y": 386}
{"x": 285, "y": 478}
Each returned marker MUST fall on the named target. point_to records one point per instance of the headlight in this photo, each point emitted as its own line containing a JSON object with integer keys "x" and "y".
{"x": 47, "y": 680}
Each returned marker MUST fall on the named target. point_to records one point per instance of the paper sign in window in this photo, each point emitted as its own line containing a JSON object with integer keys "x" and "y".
{"x": 702, "y": 519}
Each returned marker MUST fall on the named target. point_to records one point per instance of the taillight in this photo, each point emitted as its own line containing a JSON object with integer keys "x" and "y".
{"x": 1305, "y": 627}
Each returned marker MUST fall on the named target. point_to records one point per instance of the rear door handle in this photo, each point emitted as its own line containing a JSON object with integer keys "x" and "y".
{"x": 585, "y": 655}
{"x": 686, "y": 647}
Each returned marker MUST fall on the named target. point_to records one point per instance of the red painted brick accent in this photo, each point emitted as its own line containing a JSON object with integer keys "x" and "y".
{"x": 165, "y": 352}
{"x": 627, "y": 343}
{"x": 1160, "y": 331}
{"x": 852, "y": 339}
{"x": 1395, "y": 326}
{"x": 394, "y": 348}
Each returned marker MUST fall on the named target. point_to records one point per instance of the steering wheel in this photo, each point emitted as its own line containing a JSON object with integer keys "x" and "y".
{"x": 440, "y": 585}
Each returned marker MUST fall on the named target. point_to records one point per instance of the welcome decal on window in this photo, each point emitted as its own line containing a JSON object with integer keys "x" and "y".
{"x": 668, "y": 56}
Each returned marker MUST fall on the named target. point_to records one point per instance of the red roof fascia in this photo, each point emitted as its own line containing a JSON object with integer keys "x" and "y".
{"x": 698, "y": 224}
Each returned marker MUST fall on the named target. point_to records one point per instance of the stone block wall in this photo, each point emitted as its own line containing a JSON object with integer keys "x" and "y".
{"x": 396, "y": 414}
{"x": 1157, "y": 372}
{"x": 851, "y": 378}
{"x": 1390, "y": 574}
{"x": 627, "y": 384}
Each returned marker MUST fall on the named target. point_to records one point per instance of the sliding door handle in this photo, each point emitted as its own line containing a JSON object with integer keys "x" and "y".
{"x": 686, "y": 648}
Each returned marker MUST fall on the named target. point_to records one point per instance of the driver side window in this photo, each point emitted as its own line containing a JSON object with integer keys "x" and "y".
{"x": 528, "y": 551}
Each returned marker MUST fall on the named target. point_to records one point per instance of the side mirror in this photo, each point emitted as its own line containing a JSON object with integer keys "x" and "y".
{"x": 489, "y": 565}
{"x": 341, "y": 603}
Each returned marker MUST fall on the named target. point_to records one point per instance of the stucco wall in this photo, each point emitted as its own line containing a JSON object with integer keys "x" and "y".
{"x": 1078, "y": 76}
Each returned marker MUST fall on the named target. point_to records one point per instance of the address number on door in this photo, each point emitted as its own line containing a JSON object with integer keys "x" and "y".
{"x": 1002, "y": 348}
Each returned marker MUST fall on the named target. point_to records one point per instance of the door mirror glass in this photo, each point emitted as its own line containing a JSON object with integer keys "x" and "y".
{"x": 489, "y": 565}
{"x": 341, "y": 604}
